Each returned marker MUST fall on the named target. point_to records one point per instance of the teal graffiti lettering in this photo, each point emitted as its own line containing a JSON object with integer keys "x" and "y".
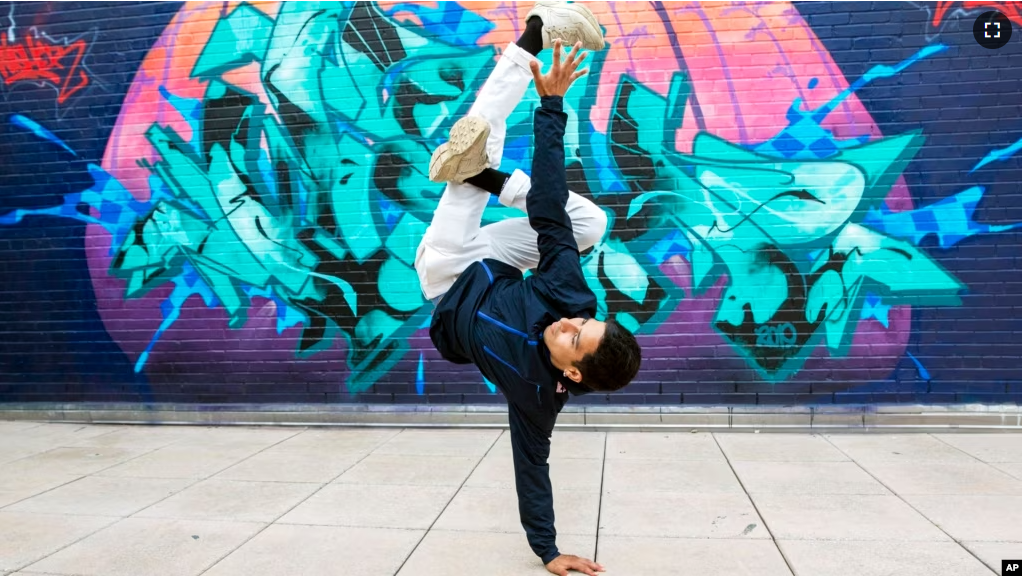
{"x": 780, "y": 336}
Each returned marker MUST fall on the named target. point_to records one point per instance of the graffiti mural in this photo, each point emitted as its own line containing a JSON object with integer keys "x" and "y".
{"x": 266, "y": 183}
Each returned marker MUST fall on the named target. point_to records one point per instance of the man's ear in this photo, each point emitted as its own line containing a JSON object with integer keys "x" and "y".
{"x": 574, "y": 374}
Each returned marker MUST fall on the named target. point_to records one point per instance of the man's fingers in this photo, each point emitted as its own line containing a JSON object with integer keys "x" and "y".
{"x": 579, "y": 60}
{"x": 582, "y": 565}
{"x": 579, "y": 73}
{"x": 576, "y": 61}
{"x": 556, "y": 65}
{"x": 571, "y": 55}
{"x": 534, "y": 67}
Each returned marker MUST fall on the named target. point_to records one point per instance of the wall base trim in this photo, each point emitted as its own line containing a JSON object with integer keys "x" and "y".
{"x": 824, "y": 418}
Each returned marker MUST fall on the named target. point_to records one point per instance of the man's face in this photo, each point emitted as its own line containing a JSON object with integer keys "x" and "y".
{"x": 569, "y": 339}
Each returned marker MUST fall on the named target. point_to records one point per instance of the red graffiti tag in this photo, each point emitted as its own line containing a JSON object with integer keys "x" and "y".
{"x": 1010, "y": 9}
{"x": 38, "y": 59}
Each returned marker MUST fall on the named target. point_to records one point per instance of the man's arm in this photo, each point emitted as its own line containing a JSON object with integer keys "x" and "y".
{"x": 531, "y": 447}
{"x": 559, "y": 275}
{"x": 530, "y": 450}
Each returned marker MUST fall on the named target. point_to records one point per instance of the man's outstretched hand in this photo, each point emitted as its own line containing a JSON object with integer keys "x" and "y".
{"x": 562, "y": 564}
{"x": 561, "y": 75}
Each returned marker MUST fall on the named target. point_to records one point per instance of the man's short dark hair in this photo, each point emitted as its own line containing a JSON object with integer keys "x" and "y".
{"x": 614, "y": 363}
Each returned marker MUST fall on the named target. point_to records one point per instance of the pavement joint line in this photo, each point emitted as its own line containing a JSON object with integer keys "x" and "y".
{"x": 907, "y": 503}
{"x": 300, "y": 502}
{"x": 988, "y": 464}
{"x": 600, "y": 499}
{"x": 448, "y": 503}
{"x": 753, "y": 503}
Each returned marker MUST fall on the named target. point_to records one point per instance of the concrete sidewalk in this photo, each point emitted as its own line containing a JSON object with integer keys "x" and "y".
{"x": 152, "y": 501}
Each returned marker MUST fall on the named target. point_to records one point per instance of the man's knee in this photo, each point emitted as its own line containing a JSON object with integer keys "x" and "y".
{"x": 591, "y": 227}
{"x": 430, "y": 267}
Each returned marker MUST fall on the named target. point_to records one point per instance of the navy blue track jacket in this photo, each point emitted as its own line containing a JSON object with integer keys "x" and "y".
{"x": 494, "y": 318}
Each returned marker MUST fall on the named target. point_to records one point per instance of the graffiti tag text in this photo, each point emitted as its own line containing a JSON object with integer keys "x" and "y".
{"x": 39, "y": 59}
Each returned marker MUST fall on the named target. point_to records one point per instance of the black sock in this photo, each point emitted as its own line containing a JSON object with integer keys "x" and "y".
{"x": 491, "y": 180}
{"x": 532, "y": 39}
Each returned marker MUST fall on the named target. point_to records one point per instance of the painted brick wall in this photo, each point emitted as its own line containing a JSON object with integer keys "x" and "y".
{"x": 809, "y": 203}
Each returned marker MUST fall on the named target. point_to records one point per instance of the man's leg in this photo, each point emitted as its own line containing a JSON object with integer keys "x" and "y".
{"x": 453, "y": 241}
{"x": 513, "y": 241}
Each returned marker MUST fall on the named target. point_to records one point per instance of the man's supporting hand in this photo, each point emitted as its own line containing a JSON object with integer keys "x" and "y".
{"x": 562, "y": 564}
{"x": 561, "y": 75}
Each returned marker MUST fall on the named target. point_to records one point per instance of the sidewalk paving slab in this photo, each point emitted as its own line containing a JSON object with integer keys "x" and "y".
{"x": 706, "y": 557}
{"x": 288, "y": 464}
{"x": 973, "y": 517}
{"x": 680, "y": 515}
{"x": 198, "y": 500}
{"x": 441, "y": 442}
{"x": 986, "y": 447}
{"x": 843, "y": 517}
{"x": 182, "y": 461}
{"x": 811, "y": 478}
{"x": 701, "y": 476}
{"x": 498, "y": 471}
{"x": 476, "y": 509}
{"x": 992, "y": 553}
{"x": 295, "y": 550}
{"x": 373, "y": 506}
{"x": 943, "y": 478}
{"x": 29, "y": 537}
{"x": 410, "y": 470}
{"x": 150, "y": 546}
{"x": 17, "y": 487}
{"x": 779, "y": 448}
{"x": 102, "y": 496}
{"x": 897, "y": 448}
{"x": 1014, "y": 469}
{"x": 880, "y": 558}
{"x": 664, "y": 445}
{"x": 231, "y": 500}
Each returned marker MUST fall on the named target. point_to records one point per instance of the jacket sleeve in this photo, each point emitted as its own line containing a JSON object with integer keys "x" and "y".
{"x": 559, "y": 275}
{"x": 530, "y": 450}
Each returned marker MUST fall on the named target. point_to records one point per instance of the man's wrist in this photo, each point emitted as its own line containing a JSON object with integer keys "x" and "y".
{"x": 550, "y": 557}
{"x": 552, "y": 102}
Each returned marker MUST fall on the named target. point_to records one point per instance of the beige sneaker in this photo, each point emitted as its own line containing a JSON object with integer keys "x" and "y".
{"x": 464, "y": 155}
{"x": 570, "y": 22}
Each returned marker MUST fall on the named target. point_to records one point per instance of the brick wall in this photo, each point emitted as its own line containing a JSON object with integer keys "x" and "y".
{"x": 174, "y": 227}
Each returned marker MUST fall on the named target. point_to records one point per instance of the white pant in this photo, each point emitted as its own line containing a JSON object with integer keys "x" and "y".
{"x": 455, "y": 239}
